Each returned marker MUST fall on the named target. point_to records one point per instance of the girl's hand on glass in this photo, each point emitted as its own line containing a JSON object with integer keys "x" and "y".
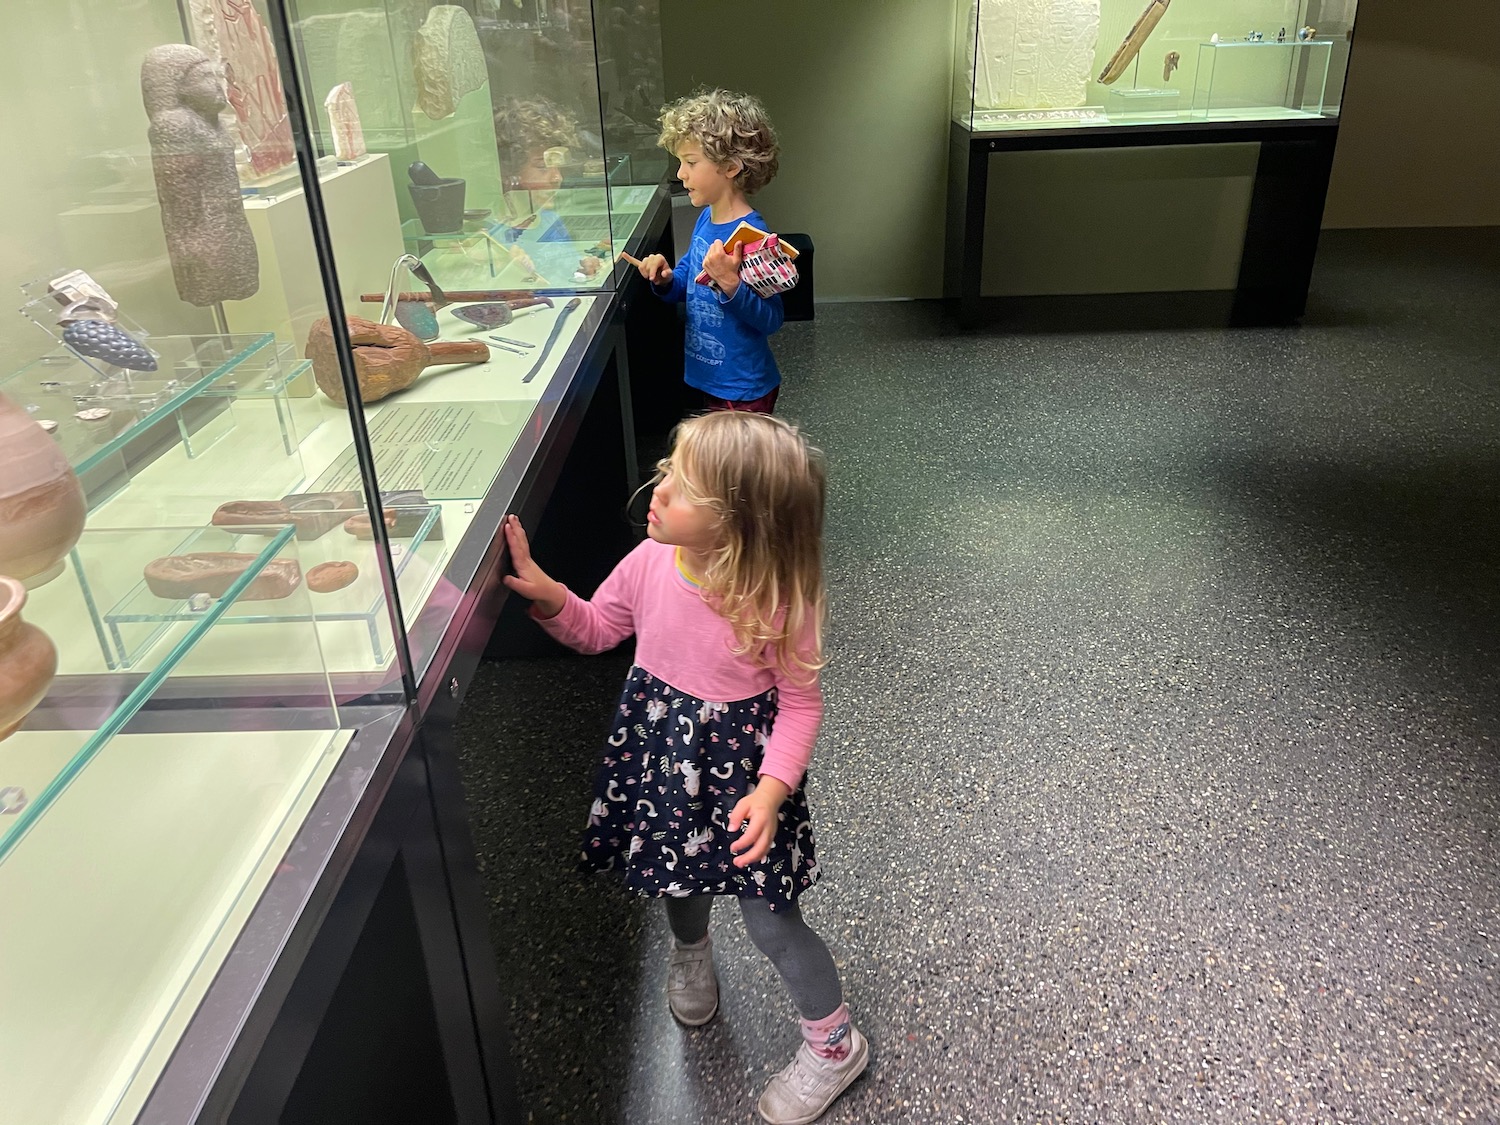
{"x": 756, "y": 814}
{"x": 723, "y": 267}
{"x": 656, "y": 269}
{"x": 530, "y": 580}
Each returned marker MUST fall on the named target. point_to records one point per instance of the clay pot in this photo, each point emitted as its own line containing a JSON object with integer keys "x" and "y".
{"x": 28, "y": 660}
{"x": 41, "y": 504}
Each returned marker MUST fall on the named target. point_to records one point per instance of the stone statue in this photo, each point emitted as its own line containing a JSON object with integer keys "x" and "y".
{"x": 208, "y": 238}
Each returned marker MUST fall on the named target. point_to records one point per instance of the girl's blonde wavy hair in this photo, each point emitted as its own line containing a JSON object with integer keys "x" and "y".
{"x": 726, "y": 126}
{"x": 766, "y": 484}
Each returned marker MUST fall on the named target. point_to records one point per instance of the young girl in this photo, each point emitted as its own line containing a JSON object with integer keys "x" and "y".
{"x": 700, "y": 791}
{"x": 726, "y": 151}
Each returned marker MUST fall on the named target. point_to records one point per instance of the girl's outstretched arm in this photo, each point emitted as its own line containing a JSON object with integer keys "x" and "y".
{"x": 530, "y": 580}
{"x": 592, "y": 626}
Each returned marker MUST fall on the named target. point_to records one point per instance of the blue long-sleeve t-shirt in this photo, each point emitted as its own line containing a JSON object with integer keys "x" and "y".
{"x": 728, "y": 355}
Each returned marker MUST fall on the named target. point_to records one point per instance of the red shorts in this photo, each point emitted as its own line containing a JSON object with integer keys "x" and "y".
{"x": 766, "y": 404}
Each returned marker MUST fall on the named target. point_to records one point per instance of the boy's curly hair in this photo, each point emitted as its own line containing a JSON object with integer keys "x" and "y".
{"x": 527, "y": 126}
{"x": 726, "y": 126}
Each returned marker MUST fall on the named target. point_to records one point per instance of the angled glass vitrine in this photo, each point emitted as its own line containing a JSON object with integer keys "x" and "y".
{"x": 261, "y": 408}
{"x": 517, "y": 163}
{"x": 199, "y": 570}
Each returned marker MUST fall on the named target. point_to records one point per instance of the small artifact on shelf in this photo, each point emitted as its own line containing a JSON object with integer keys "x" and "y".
{"x": 28, "y": 659}
{"x": 387, "y": 358}
{"x": 47, "y": 424}
{"x": 1134, "y": 40}
{"x": 179, "y": 577}
{"x": 497, "y": 314}
{"x": 98, "y": 421}
{"x": 1255, "y": 37}
{"x": 439, "y": 200}
{"x": 208, "y": 238}
{"x": 98, "y": 339}
{"x": 1307, "y": 34}
{"x": 343, "y": 114}
{"x": 313, "y": 513}
{"x": 404, "y": 512}
{"x": 41, "y": 504}
{"x": 1281, "y": 36}
{"x": 557, "y": 327}
{"x": 1170, "y": 64}
{"x": 327, "y": 577}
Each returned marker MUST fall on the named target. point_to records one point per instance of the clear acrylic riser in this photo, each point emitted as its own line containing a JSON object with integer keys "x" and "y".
{"x": 188, "y": 402}
{"x": 1241, "y": 78}
{"x": 135, "y": 622}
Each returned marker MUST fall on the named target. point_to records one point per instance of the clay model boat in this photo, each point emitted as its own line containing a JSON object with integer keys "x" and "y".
{"x": 179, "y": 577}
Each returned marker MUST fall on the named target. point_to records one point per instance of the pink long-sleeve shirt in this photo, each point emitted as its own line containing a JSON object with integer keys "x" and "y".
{"x": 681, "y": 640}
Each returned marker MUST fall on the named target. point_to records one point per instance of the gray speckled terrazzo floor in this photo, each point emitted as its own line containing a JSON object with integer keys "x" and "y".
{"x": 1160, "y": 776}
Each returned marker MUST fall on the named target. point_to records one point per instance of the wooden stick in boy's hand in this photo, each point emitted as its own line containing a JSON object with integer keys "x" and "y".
{"x": 654, "y": 268}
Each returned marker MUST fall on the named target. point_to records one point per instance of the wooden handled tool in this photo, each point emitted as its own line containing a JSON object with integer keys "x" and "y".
{"x": 1133, "y": 42}
{"x": 455, "y": 295}
{"x": 387, "y": 358}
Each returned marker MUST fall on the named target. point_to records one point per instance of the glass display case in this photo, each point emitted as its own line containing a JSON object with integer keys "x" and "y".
{"x": 300, "y": 291}
{"x": 1029, "y": 64}
{"x": 520, "y": 137}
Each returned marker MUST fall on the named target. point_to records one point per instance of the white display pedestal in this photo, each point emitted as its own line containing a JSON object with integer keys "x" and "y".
{"x": 365, "y": 228}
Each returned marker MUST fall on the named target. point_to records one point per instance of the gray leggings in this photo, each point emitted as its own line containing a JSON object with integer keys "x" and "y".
{"x": 798, "y": 954}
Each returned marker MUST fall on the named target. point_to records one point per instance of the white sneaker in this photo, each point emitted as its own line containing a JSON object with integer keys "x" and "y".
{"x": 692, "y": 987}
{"x": 808, "y": 1086}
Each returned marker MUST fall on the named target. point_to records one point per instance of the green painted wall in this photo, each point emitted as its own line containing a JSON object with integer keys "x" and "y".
{"x": 859, "y": 93}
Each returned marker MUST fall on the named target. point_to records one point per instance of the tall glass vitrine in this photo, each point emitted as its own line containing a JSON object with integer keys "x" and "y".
{"x": 297, "y": 292}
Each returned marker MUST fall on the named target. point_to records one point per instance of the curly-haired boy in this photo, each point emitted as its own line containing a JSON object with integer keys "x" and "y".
{"x": 726, "y": 151}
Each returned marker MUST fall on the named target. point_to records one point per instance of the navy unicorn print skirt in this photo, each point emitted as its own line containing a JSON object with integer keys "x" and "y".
{"x": 674, "y": 768}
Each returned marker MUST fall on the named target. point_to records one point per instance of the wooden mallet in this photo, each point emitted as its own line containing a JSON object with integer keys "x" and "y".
{"x": 387, "y": 358}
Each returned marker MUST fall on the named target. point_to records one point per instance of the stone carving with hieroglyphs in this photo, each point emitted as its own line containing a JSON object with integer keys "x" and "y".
{"x": 1035, "y": 54}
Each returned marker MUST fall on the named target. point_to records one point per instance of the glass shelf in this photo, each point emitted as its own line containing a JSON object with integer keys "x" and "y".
{"x": 137, "y": 621}
{"x": 59, "y": 387}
